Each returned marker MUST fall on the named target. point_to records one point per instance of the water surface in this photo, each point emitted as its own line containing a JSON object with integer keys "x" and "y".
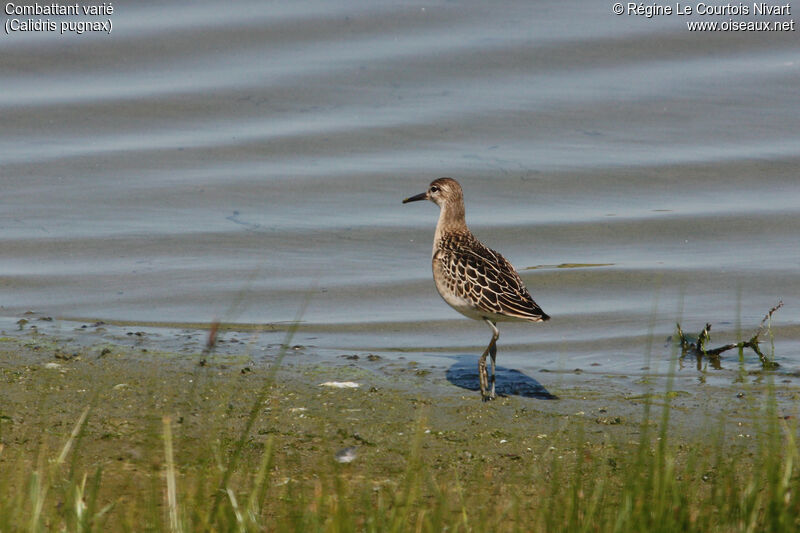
{"x": 208, "y": 162}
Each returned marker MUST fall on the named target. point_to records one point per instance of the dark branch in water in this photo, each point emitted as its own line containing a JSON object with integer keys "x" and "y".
{"x": 699, "y": 350}
{"x": 211, "y": 342}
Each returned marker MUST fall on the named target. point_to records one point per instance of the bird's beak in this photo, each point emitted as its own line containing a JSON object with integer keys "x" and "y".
{"x": 417, "y": 198}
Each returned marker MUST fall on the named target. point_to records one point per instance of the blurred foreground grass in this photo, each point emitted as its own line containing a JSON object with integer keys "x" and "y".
{"x": 127, "y": 442}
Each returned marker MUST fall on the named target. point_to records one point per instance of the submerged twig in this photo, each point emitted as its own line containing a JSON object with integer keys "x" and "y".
{"x": 211, "y": 342}
{"x": 699, "y": 350}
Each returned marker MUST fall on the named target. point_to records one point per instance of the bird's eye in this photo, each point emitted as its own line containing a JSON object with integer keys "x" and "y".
{"x": 434, "y": 188}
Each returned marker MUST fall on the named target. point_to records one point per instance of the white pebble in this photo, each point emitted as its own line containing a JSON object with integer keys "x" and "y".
{"x": 340, "y": 384}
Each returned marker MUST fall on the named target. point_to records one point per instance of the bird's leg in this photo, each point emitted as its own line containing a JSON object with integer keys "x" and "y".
{"x": 483, "y": 376}
{"x": 493, "y": 355}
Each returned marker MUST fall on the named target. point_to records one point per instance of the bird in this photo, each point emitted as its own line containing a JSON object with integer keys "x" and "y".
{"x": 472, "y": 278}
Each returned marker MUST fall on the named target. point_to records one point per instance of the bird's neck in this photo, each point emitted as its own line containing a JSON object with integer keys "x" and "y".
{"x": 451, "y": 220}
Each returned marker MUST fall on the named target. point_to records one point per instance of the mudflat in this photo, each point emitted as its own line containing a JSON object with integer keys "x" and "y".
{"x": 362, "y": 419}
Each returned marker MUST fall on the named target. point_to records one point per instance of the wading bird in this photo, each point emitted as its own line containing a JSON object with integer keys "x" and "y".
{"x": 475, "y": 280}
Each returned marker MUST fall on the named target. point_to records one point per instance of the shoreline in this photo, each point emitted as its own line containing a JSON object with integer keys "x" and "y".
{"x": 77, "y": 371}
{"x": 399, "y": 406}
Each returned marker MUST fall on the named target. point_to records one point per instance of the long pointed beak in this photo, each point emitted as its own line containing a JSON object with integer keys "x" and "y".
{"x": 417, "y": 198}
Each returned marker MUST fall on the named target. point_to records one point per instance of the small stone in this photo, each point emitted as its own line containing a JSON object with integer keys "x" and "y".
{"x": 346, "y": 455}
{"x": 609, "y": 420}
{"x": 340, "y": 384}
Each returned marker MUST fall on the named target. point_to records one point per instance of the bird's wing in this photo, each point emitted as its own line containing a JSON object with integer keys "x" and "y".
{"x": 481, "y": 275}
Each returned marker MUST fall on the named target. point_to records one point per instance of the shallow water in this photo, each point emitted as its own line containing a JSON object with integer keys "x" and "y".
{"x": 204, "y": 162}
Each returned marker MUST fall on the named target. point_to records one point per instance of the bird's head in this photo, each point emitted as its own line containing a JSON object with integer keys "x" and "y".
{"x": 441, "y": 191}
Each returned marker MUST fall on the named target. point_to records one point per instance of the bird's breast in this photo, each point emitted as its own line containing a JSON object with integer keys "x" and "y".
{"x": 447, "y": 287}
